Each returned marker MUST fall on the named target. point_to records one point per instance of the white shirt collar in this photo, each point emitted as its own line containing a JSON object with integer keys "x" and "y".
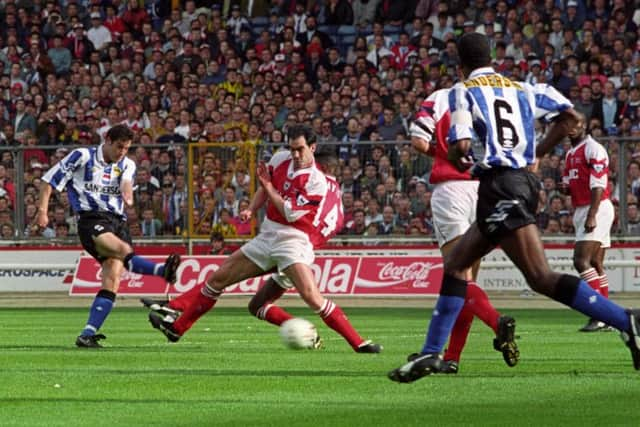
{"x": 480, "y": 71}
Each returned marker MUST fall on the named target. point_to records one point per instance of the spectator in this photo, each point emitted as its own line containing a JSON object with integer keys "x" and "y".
{"x": 389, "y": 127}
{"x": 307, "y": 37}
{"x": 633, "y": 219}
{"x": 585, "y": 104}
{"x": 225, "y": 225}
{"x": 218, "y": 245}
{"x": 364, "y": 12}
{"x": 357, "y": 226}
{"x": 607, "y": 110}
{"x": 394, "y": 13}
{"x": 559, "y": 80}
{"x": 338, "y": 12}
{"x": 60, "y": 56}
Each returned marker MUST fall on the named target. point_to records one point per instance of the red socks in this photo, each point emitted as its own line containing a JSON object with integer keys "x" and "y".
{"x": 479, "y": 303}
{"x": 334, "y": 317}
{"x": 182, "y": 301}
{"x": 604, "y": 286}
{"x": 459, "y": 334}
{"x": 273, "y": 314}
{"x": 476, "y": 303}
{"x": 196, "y": 305}
{"x": 591, "y": 277}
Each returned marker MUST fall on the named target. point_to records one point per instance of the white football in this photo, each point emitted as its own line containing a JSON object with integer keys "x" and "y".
{"x": 298, "y": 333}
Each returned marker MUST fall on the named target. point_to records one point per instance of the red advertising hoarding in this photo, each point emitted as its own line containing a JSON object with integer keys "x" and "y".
{"x": 335, "y": 275}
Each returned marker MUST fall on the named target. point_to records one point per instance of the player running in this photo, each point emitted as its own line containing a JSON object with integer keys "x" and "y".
{"x": 495, "y": 116}
{"x": 99, "y": 183}
{"x": 585, "y": 176}
{"x": 303, "y": 211}
{"x": 453, "y": 204}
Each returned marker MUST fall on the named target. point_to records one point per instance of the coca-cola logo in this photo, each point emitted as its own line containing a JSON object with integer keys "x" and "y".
{"x": 405, "y": 272}
{"x": 413, "y": 271}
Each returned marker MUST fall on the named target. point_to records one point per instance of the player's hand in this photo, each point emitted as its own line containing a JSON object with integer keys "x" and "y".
{"x": 41, "y": 220}
{"x": 263, "y": 174}
{"x": 458, "y": 154}
{"x": 590, "y": 224}
{"x": 245, "y": 215}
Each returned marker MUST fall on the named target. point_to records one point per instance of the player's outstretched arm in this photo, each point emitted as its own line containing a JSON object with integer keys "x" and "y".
{"x": 126, "y": 189}
{"x": 564, "y": 123}
{"x": 258, "y": 200}
{"x": 423, "y": 146}
{"x": 42, "y": 218}
{"x": 269, "y": 190}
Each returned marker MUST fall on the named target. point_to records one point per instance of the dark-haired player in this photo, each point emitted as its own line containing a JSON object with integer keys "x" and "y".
{"x": 99, "y": 181}
{"x": 585, "y": 176}
{"x": 453, "y": 204}
{"x": 298, "y": 218}
{"x": 493, "y": 118}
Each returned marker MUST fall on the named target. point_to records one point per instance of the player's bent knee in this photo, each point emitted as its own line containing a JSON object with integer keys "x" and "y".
{"x": 311, "y": 297}
{"x": 581, "y": 264}
{"x": 544, "y": 282}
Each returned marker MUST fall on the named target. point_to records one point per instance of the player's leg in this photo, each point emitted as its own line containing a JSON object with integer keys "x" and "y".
{"x": 471, "y": 246}
{"x": 524, "y": 247}
{"x": 112, "y": 269}
{"x": 462, "y": 326}
{"x": 332, "y": 315}
{"x": 93, "y": 230}
{"x": 196, "y": 303}
{"x": 262, "y": 304}
{"x": 112, "y": 240}
{"x": 598, "y": 263}
{"x": 584, "y": 252}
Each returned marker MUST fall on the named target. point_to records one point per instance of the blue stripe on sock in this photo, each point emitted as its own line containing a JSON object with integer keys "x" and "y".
{"x": 444, "y": 316}
{"x": 98, "y": 313}
{"x": 594, "y": 305}
{"x": 138, "y": 264}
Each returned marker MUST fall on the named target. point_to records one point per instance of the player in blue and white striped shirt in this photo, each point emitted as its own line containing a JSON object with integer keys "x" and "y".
{"x": 99, "y": 183}
{"x": 492, "y": 119}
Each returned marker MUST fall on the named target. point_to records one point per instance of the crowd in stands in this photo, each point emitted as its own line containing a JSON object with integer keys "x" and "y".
{"x": 241, "y": 72}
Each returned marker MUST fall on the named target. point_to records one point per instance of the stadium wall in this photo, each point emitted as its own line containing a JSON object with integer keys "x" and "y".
{"x": 375, "y": 271}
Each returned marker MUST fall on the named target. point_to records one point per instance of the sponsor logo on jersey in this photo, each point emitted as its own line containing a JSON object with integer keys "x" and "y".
{"x": 106, "y": 177}
{"x": 101, "y": 189}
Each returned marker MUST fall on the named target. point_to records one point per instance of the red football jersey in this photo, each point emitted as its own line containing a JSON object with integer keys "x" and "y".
{"x": 432, "y": 122}
{"x": 303, "y": 191}
{"x": 586, "y": 167}
{"x": 330, "y": 216}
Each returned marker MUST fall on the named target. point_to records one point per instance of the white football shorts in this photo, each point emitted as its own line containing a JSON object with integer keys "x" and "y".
{"x": 453, "y": 205}
{"x": 278, "y": 245}
{"x": 604, "y": 220}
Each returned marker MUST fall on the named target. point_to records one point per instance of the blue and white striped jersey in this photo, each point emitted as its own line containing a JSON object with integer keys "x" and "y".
{"x": 499, "y": 116}
{"x": 92, "y": 184}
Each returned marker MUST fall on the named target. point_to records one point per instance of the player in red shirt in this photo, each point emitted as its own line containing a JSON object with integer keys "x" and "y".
{"x": 585, "y": 177}
{"x": 301, "y": 214}
{"x": 329, "y": 220}
{"x": 453, "y": 204}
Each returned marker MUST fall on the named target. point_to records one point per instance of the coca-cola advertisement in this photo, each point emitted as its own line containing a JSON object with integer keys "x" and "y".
{"x": 335, "y": 275}
{"x": 399, "y": 276}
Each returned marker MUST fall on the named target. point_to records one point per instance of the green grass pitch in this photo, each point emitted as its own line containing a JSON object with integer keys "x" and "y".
{"x": 232, "y": 370}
